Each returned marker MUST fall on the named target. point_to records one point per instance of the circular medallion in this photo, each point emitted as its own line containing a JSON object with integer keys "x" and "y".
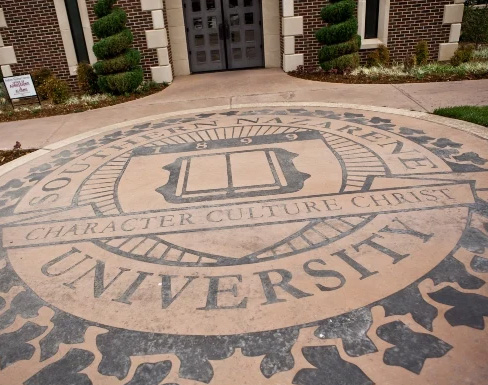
{"x": 225, "y": 224}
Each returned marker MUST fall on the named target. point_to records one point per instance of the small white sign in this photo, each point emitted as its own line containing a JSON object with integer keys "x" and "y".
{"x": 20, "y": 86}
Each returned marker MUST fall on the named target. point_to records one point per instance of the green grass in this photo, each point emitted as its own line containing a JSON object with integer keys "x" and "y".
{"x": 473, "y": 114}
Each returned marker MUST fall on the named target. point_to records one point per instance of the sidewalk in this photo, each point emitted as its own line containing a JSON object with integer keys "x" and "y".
{"x": 240, "y": 87}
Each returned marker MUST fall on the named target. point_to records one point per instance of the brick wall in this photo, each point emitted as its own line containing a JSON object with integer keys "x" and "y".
{"x": 138, "y": 21}
{"x": 410, "y": 22}
{"x": 414, "y": 20}
{"x": 33, "y": 31}
{"x": 308, "y": 44}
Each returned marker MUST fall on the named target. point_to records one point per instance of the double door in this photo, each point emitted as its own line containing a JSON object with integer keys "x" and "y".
{"x": 224, "y": 34}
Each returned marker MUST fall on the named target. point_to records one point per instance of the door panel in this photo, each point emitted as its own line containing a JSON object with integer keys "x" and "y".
{"x": 205, "y": 40}
{"x": 244, "y": 37}
{"x": 224, "y": 34}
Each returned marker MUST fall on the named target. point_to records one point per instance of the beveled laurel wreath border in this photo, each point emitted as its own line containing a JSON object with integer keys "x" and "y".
{"x": 274, "y": 345}
{"x": 471, "y": 128}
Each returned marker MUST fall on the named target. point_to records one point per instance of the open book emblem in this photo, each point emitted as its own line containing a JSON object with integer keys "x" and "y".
{"x": 228, "y": 175}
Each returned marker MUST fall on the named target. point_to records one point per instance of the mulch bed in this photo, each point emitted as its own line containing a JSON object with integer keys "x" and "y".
{"x": 362, "y": 79}
{"x": 9, "y": 155}
{"x": 61, "y": 109}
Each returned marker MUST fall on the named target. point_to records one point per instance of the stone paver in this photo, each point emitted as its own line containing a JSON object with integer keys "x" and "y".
{"x": 243, "y": 87}
{"x": 265, "y": 245}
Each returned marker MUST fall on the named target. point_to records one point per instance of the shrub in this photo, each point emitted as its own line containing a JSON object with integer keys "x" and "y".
{"x": 103, "y": 7}
{"x": 113, "y": 45}
{"x": 384, "y": 55}
{"x": 39, "y": 77}
{"x": 87, "y": 79}
{"x": 340, "y": 49}
{"x": 337, "y": 33}
{"x": 111, "y": 24}
{"x": 409, "y": 63}
{"x": 3, "y": 96}
{"x": 130, "y": 59}
{"x": 422, "y": 52}
{"x": 340, "y": 39}
{"x": 118, "y": 67}
{"x": 373, "y": 59}
{"x": 57, "y": 90}
{"x": 379, "y": 57}
{"x": 342, "y": 63}
{"x": 121, "y": 83}
{"x": 338, "y": 11}
{"x": 475, "y": 24}
{"x": 462, "y": 55}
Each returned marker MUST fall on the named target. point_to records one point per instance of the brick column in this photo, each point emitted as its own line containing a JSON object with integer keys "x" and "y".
{"x": 453, "y": 14}
{"x": 291, "y": 26}
{"x": 157, "y": 38}
{"x": 7, "y": 54}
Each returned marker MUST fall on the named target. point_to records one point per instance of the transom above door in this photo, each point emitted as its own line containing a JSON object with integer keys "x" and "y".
{"x": 224, "y": 34}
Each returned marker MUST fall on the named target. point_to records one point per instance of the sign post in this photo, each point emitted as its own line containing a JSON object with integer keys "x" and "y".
{"x": 20, "y": 87}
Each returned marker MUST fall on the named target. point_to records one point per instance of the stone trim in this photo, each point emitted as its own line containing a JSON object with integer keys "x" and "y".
{"x": 291, "y": 26}
{"x": 271, "y": 33}
{"x": 157, "y": 38}
{"x": 177, "y": 37}
{"x": 383, "y": 22}
{"x": 87, "y": 31}
{"x": 7, "y": 54}
{"x": 64, "y": 27}
{"x": 453, "y": 14}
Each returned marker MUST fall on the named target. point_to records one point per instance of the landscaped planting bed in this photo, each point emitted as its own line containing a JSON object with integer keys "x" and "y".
{"x": 74, "y": 104}
{"x": 10, "y": 155}
{"x": 397, "y": 73}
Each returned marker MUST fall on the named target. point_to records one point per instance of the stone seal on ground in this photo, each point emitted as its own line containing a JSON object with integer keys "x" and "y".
{"x": 279, "y": 232}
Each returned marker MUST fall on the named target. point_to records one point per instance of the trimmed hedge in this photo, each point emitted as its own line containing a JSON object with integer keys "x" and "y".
{"x": 121, "y": 83}
{"x": 339, "y": 36}
{"x": 113, "y": 45}
{"x": 122, "y": 63}
{"x": 103, "y": 7}
{"x": 337, "y": 33}
{"x": 118, "y": 67}
{"x": 342, "y": 63}
{"x": 329, "y": 52}
{"x": 111, "y": 24}
{"x": 337, "y": 12}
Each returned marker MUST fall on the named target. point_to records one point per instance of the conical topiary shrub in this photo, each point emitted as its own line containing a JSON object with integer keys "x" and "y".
{"x": 340, "y": 38}
{"x": 118, "y": 67}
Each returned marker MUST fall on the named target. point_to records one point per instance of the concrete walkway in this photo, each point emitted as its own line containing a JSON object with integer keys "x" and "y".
{"x": 242, "y": 87}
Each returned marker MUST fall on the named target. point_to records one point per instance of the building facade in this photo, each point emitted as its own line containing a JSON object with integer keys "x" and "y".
{"x": 179, "y": 37}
